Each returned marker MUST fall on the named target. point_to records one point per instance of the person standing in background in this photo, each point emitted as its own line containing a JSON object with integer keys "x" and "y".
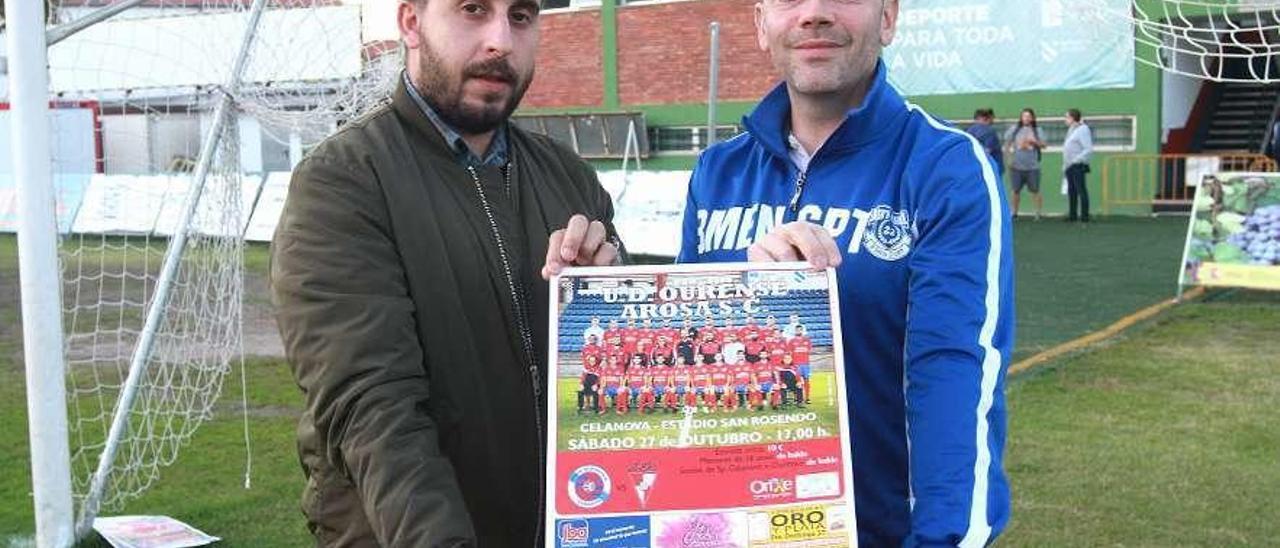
{"x": 1274, "y": 150}
{"x": 1076, "y": 151}
{"x": 1025, "y": 142}
{"x": 982, "y": 131}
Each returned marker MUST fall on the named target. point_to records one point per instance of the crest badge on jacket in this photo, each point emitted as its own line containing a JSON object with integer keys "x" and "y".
{"x": 888, "y": 236}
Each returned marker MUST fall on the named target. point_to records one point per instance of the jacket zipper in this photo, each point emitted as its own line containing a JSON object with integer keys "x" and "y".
{"x": 522, "y": 325}
{"x": 795, "y": 196}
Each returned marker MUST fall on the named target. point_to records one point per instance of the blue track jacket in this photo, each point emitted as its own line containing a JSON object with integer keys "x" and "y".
{"x": 926, "y": 299}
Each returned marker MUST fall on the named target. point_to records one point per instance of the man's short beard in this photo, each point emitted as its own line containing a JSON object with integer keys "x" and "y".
{"x": 444, "y": 92}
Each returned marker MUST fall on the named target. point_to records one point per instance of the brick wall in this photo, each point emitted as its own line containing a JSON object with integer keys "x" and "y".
{"x": 663, "y": 52}
{"x": 570, "y": 63}
{"x": 662, "y": 55}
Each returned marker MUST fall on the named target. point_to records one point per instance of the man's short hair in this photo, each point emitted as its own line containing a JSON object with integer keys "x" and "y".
{"x": 1074, "y": 113}
{"x": 984, "y": 113}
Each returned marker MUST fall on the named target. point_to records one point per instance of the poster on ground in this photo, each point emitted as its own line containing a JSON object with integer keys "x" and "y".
{"x": 1234, "y": 236}
{"x": 697, "y": 405}
{"x": 150, "y": 532}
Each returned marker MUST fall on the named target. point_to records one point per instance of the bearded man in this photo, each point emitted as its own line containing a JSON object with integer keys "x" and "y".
{"x": 405, "y": 275}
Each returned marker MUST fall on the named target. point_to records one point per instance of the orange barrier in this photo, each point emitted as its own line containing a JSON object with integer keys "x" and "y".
{"x": 1154, "y": 180}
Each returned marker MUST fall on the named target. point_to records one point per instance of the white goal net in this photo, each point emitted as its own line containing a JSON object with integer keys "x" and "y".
{"x": 1219, "y": 40}
{"x": 168, "y": 119}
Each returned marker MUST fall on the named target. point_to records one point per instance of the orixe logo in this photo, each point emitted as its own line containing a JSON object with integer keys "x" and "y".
{"x": 773, "y": 488}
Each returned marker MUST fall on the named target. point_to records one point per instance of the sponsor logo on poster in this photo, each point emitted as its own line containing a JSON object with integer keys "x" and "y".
{"x": 573, "y": 533}
{"x": 798, "y": 523}
{"x": 617, "y": 532}
{"x": 829, "y": 524}
{"x": 589, "y": 486}
{"x": 839, "y": 519}
{"x": 624, "y": 532}
{"x": 701, "y": 531}
{"x": 820, "y": 485}
{"x": 772, "y": 488}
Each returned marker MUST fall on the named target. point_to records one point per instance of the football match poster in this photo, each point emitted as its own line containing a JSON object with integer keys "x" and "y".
{"x": 697, "y": 406}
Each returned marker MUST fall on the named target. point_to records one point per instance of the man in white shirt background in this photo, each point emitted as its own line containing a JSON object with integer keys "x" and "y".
{"x": 789, "y": 331}
{"x": 733, "y": 349}
{"x": 593, "y": 329}
{"x": 1076, "y": 151}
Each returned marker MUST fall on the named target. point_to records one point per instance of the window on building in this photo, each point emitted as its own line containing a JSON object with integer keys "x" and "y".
{"x": 591, "y": 135}
{"x": 1119, "y": 132}
{"x": 275, "y": 154}
{"x": 564, "y": 4}
{"x": 686, "y": 139}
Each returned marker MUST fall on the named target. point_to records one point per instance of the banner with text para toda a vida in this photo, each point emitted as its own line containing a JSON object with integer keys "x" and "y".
{"x": 697, "y": 406}
{"x": 946, "y": 47}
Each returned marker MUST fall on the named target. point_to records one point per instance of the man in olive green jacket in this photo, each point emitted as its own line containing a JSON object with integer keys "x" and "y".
{"x": 405, "y": 277}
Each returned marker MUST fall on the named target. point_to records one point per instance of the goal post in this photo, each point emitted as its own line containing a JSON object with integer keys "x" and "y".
{"x": 40, "y": 287}
{"x": 157, "y": 307}
{"x": 132, "y": 295}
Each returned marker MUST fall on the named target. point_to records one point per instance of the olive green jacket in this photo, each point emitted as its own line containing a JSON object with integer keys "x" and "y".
{"x": 424, "y": 415}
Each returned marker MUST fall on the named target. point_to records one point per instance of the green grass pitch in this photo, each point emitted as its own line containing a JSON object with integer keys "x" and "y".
{"x": 1165, "y": 436}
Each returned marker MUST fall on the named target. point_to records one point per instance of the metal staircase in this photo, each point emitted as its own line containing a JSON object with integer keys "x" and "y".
{"x": 1238, "y": 121}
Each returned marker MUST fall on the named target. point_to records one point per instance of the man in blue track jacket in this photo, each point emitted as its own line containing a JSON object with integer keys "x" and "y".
{"x": 837, "y": 169}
